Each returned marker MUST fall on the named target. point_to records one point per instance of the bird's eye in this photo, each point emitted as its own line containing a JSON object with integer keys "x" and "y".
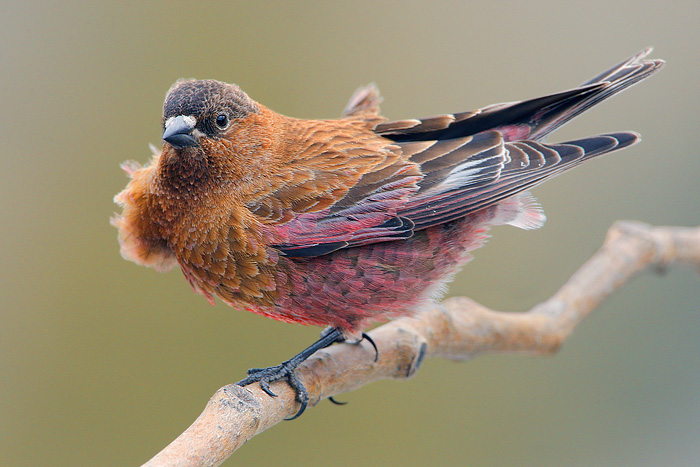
{"x": 222, "y": 121}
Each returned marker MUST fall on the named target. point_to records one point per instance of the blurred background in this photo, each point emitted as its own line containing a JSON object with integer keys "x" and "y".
{"x": 103, "y": 362}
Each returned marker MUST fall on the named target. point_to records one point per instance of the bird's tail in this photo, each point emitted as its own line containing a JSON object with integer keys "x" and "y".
{"x": 532, "y": 119}
{"x": 597, "y": 89}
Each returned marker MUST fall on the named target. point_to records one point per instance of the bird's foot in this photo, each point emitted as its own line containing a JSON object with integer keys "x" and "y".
{"x": 285, "y": 370}
{"x": 265, "y": 376}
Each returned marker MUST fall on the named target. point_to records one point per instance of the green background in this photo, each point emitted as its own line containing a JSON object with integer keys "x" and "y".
{"x": 104, "y": 363}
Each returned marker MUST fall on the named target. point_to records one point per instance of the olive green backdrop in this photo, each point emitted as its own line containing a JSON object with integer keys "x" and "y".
{"x": 103, "y": 362}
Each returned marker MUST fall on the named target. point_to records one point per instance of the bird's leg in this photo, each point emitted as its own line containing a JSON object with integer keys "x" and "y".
{"x": 285, "y": 370}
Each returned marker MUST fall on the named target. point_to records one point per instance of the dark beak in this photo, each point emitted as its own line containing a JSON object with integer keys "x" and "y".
{"x": 179, "y": 132}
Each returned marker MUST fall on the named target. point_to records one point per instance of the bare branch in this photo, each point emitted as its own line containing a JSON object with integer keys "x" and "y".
{"x": 457, "y": 329}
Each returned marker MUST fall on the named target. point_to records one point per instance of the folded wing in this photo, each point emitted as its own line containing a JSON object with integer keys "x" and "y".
{"x": 452, "y": 165}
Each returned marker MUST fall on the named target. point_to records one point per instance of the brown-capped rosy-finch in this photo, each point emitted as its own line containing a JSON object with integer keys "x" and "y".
{"x": 345, "y": 222}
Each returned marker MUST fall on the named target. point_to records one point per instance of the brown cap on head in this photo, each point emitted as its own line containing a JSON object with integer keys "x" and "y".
{"x": 205, "y": 100}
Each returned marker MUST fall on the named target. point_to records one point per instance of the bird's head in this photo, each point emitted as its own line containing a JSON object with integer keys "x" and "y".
{"x": 213, "y": 133}
{"x": 202, "y": 109}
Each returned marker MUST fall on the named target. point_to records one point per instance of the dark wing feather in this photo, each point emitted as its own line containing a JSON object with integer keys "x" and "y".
{"x": 527, "y": 164}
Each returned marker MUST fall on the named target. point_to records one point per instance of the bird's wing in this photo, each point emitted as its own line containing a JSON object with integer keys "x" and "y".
{"x": 460, "y": 176}
{"x": 352, "y": 187}
{"x": 343, "y": 184}
{"x": 495, "y": 171}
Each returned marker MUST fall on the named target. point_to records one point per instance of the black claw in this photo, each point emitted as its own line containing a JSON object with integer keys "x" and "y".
{"x": 298, "y": 414}
{"x": 366, "y": 337}
{"x": 336, "y": 402}
{"x": 266, "y": 387}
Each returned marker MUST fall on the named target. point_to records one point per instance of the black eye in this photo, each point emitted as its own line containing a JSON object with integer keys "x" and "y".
{"x": 222, "y": 121}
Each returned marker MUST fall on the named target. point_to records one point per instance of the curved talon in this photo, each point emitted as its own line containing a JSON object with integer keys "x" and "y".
{"x": 298, "y": 414}
{"x": 336, "y": 402}
{"x": 371, "y": 341}
{"x": 266, "y": 387}
{"x": 302, "y": 395}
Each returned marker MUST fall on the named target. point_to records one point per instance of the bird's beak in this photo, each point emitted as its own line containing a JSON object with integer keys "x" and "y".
{"x": 178, "y": 131}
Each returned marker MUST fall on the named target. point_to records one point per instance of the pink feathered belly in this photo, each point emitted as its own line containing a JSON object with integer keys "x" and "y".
{"x": 353, "y": 287}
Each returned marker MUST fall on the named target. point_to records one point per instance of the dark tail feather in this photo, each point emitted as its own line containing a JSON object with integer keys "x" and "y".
{"x": 610, "y": 75}
{"x": 532, "y": 119}
{"x": 612, "y": 81}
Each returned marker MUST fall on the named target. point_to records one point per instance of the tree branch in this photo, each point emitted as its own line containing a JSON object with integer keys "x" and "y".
{"x": 457, "y": 329}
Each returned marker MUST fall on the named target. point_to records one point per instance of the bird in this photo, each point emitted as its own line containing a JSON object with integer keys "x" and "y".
{"x": 347, "y": 222}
